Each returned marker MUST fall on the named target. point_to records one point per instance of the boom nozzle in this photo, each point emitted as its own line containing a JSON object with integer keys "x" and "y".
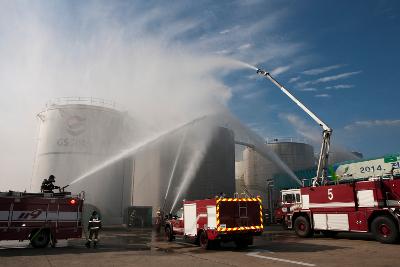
{"x": 262, "y": 72}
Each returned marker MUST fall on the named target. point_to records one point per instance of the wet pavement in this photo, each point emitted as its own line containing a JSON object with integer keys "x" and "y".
{"x": 144, "y": 247}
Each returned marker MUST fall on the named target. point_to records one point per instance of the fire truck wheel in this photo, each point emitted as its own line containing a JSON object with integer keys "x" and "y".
{"x": 204, "y": 242}
{"x": 385, "y": 230}
{"x": 168, "y": 234}
{"x": 40, "y": 239}
{"x": 302, "y": 227}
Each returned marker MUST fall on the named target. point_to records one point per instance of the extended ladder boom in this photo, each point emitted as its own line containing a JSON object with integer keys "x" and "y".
{"x": 326, "y": 134}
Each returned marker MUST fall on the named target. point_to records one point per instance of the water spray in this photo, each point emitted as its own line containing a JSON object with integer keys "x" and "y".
{"x": 135, "y": 148}
{"x": 178, "y": 155}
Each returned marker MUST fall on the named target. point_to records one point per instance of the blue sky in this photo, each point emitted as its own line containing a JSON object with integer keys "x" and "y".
{"x": 342, "y": 62}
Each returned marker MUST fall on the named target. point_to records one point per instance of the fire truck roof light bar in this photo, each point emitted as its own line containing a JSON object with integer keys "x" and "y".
{"x": 238, "y": 199}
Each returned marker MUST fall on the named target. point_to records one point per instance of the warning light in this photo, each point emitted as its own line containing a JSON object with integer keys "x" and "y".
{"x": 72, "y": 201}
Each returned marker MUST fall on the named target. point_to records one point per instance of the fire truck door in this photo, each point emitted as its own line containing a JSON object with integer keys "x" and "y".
{"x": 189, "y": 215}
{"x": 358, "y": 221}
{"x": 211, "y": 217}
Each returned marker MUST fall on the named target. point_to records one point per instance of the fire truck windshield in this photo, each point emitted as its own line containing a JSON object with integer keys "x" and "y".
{"x": 291, "y": 198}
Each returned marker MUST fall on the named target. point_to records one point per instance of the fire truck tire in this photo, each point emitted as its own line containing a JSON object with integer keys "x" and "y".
{"x": 40, "y": 239}
{"x": 302, "y": 227}
{"x": 168, "y": 234}
{"x": 385, "y": 230}
{"x": 204, "y": 242}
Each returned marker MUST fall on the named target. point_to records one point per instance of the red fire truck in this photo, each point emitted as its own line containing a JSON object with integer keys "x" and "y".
{"x": 40, "y": 217}
{"x": 211, "y": 221}
{"x": 370, "y": 205}
{"x": 359, "y": 206}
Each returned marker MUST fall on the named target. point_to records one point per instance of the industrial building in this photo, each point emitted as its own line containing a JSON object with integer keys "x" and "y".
{"x": 78, "y": 134}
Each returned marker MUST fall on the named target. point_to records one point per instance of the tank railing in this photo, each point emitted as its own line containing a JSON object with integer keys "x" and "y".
{"x": 81, "y": 100}
{"x": 284, "y": 139}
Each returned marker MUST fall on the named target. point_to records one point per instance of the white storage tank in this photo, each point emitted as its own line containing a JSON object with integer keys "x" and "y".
{"x": 75, "y": 135}
{"x": 203, "y": 168}
{"x": 259, "y": 171}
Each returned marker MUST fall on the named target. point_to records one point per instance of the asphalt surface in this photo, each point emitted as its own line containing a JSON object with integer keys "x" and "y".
{"x": 143, "y": 247}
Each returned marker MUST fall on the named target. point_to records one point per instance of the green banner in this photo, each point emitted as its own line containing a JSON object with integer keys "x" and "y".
{"x": 389, "y": 159}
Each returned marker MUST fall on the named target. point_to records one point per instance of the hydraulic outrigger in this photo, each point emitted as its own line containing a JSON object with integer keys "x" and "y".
{"x": 322, "y": 172}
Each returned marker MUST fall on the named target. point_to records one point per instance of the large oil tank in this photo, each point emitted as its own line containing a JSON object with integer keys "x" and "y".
{"x": 77, "y": 134}
{"x": 196, "y": 162}
{"x": 259, "y": 171}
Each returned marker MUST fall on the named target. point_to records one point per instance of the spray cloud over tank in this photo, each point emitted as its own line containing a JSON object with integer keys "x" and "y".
{"x": 97, "y": 50}
{"x": 51, "y": 51}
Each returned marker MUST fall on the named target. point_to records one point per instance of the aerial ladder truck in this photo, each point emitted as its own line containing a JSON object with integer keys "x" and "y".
{"x": 359, "y": 205}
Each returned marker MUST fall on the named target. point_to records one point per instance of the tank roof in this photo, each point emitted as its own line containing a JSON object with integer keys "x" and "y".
{"x": 91, "y": 101}
{"x": 285, "y": 140}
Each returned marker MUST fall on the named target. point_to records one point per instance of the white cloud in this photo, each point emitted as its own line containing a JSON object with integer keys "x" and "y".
{"x": 294, "y": 79}
{"x": 253, "y": 95}
{"x": 248, "y": 2}
{"x": 229, "y": 30}
{"x": 223, "y": 52}
{"x": 244, "y": 46}
{"x": 330, "y": 78}
{"x": 317, "y": 71}
{"x": 323, "y": 95}
{"x": 308, "y": 89}
{"x": 280, "y": 70}
{"x": 340, "y": 86}
{"x": 234, "y": 38}
{"x": 336, "y": 77}
{"x": 372, "y": 123}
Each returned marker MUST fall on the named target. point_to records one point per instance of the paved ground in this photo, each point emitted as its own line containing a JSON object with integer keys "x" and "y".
{"x": 276, "y": 247}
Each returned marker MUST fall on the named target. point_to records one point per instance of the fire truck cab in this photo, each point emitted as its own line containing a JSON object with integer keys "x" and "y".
{"x": 211, "y": 221}
{"x": 371, "y": 205}
{"x": 289, "y": 198}
{"x": 40, "y": 217}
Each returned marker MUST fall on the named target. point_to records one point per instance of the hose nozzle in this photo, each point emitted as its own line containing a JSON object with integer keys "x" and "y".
{"x": 262, "y": 72}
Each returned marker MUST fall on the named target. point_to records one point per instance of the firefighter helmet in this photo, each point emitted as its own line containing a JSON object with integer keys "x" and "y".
{"x": 52, "y": 178}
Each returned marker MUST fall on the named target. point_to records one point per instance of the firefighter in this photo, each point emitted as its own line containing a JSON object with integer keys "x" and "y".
{"x": 159, "y": 220}
{"x": 93, "y": 228}
{"x": 48, "y": 185}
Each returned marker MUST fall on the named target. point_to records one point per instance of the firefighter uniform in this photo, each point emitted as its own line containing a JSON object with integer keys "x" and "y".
{"x": 93, "y": 228}
{"x": 48, "y": 185}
